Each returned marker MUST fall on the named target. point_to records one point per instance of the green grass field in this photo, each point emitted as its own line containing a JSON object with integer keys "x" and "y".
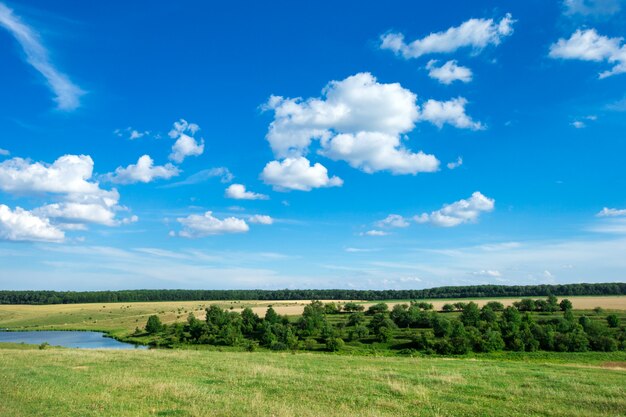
{"x": 72, "y": 382}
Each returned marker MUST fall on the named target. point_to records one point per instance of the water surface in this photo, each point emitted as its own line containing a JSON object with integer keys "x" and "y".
{"x": 72, "y": 339}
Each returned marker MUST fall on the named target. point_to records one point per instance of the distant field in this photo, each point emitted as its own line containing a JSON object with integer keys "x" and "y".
{"x": 121, "y": 318}
{"x": 183, "y": 383}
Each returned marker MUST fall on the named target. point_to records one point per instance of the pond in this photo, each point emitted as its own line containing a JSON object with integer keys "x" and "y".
{"x": 72, "y": 339}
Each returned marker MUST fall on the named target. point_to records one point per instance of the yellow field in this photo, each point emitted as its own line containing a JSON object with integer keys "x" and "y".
{"x": 121, "y": 318}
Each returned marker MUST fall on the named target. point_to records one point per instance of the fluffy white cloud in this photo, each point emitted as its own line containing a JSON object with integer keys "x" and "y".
{"x": 23, "y": 225}
{"x": 455, "y": 164}
{"x": 450, "y": 112}
{"x": 474, "y": 33}
{"x": 200, "y": 225}
{"x": 578, "y": 124}
{"x": 239, "y": 192}
{"x": 459, "y": 212}
{"x": 4, "y": 152}
{"x": 448, "y": 72}
{"x": 375, "y": 151}
{"x": 393, "y": 220}
{"x": 260, "y": 219}
{"x": 358, "y": 120}
{"x": 611, "y": 212}
{"x": 592, "y": 7}
{"x": 298, "y": 174}
{"x": 185, "y": 144}
{"x": 68, "y": 178}
{"x": 143, "y": 171}
{"x": 67, "y": 93}
{"x": 68, "y": 174}
{"x": 588, "y": 45}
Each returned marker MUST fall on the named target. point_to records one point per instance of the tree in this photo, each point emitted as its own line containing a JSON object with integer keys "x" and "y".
{"x": 494, "y": 305}
{"x": 447, "y": 308}
{"x": 355, "y": 319}
{"x": 565, "y": 304}
{"x": 154, "y": 324}
{"x": 612, "y": 320}
{"x": 377, "y": 308}
{"x": 271, "y": 316}
{"x": 352, "y": 307}
{"x": 470, "y": 314}
{"x": 334, "y": 344}
{"x": 332, "y": 308}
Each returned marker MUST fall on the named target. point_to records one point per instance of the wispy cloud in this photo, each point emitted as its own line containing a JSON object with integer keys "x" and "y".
{"x": 67, "y": 93}
{"x": 204, "y": 175}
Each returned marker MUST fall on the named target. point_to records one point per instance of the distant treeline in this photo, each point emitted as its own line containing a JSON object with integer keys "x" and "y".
{"x": 474, "y": 291}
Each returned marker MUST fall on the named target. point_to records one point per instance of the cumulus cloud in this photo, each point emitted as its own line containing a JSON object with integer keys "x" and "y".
{"x": 261, "y": 219}
{"x": 23, "y": 225}
{"x": 474, "y": 33}
{"x": 68, "y": 179}
{"x": 592, "y": 7}
{"x": 450, "y": 112}
{"x": 143, "y": 171}
{"x": 459, "y": 212}
{"x": 393, "y": 220}
{"x": 448, "y": 72}
{"x": 611, "y": 212}
{"x": 362, "y": 122}
{"x": 67, "y": 93}
{"x": 298, "y": 174}
{"x": 588, "y": 45}
{"x": 185, "y": 145}
{"x": 455, "y": 164}
{"x": 200, "y": 225}
{"x": 4, "y": 152}
{"x": 239, "y": 192}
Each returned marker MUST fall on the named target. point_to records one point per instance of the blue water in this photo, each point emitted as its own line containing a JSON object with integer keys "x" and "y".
{"x": 72, "y": 339}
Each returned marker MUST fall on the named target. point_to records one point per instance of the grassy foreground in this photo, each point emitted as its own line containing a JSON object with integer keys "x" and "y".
{"x": 72, "y": 382}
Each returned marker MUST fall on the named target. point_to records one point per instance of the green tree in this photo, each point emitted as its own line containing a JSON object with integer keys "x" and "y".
{"x": 612, "y": 320}
{"x": 352, "y": 307}
{"x": 565, "y": 304}
{"x": 470, "y": 314}
{"x": 154, "y": 324}
{"x": 377, "y": 308}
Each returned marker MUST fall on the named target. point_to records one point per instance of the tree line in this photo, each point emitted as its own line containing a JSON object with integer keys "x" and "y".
{"x": 458, "y": 329}
{"x": 474, "y": 291}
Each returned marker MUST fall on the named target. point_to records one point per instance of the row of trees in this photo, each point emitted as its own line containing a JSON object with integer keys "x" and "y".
{"x": 409, "y": 326}
{"x": 72, "y": 297}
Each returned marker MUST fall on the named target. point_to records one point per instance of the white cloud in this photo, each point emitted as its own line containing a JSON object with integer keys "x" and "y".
{"x": 67, "y": 93}
{"x": 487, "y": 273}
{"x": 22, "y": 225}
{"x": 132, "y": 133}
{"x": 611, "y": 212}
{"x": 144, "y": 171}
{"x": 448, "y": 72}
{"x": 358, "y": 120}
{"x": 450, "y": 112}
{"x": 578, "y": 124}
{"x": 298, "y": 174}
{"x": 374, "y": 151}
{"x": 196, "y": 225}
{"x": 223, "y": 173}
{"x": 393, "y": 220}
{"x": 77, "y": 213}
{"x": 592, "y": 7}
{"x": 238, "y": 192}
{"x": 474, "y": 33}
{"x": 4, "y": 152}
{"x": 260, "y": 219}
{"x": 455, "y": 164}
{"x": 459, "y": 212}
{"x": 375, "y": 232}
{"x": 588, "y": 45}
{"x": 66, "y": 178}
{"x": 185, "y": 145}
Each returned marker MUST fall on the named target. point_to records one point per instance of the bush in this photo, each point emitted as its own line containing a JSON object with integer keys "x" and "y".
{"x": 334, "y": 344}
{"x": 612, "y": 320}
{"x": 377, "y": 308}
{"x": 154, "y": 324}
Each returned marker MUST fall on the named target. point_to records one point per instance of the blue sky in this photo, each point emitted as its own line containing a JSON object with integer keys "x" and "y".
{"x": 264, "y": 145}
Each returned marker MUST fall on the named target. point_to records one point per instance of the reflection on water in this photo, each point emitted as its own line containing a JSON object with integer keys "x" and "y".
{"x": 73, "y": 339}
